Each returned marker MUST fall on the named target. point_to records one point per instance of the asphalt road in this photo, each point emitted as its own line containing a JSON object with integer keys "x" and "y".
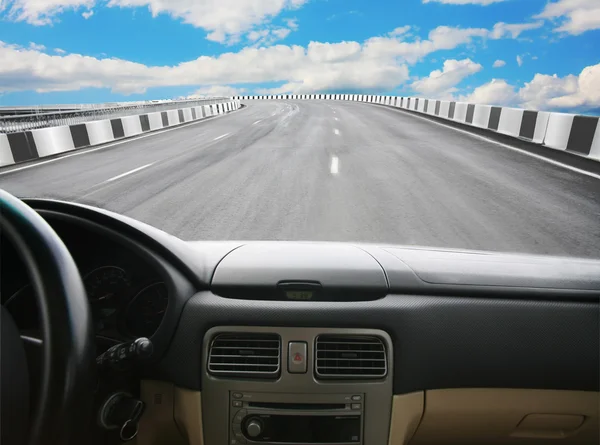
{"x": 334, "y": 171}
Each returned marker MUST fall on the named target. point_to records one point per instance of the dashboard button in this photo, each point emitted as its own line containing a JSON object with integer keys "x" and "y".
{"x": 240, "y": 437}
{"x": 357, "y": 398}
{"x": 237, "y": 395}
{"x": 356, "y": 406}
{"x": 239, "y": 416}
{"x": 237, "y": 403}
{"x": 297, "y": 357}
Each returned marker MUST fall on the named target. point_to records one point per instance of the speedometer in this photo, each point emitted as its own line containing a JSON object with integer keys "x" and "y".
{"x": 147, "y": 310}
{"x": 106, "y": 288}
{"x": 105, "y": 283}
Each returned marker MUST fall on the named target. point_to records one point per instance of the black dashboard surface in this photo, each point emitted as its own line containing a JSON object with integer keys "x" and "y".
{"x": 456, "y": 318}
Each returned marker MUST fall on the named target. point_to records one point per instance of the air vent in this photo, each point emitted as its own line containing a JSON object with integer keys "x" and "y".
{"x": 245, "y": 355}
{"x": 350, "y": 357}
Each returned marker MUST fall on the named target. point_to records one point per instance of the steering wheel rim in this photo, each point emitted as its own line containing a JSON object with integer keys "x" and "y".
{"x": 68, "y": 371}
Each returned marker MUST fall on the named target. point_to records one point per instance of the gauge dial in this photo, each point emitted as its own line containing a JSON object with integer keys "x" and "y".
{"x": 147, "y": 310}
{"x": 106, "y": 288}
{"x": 105, "y": 283}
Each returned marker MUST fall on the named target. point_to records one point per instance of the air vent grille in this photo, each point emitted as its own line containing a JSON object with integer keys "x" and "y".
{"x": 245, "y": 354}
{"x": 350, "y": 357}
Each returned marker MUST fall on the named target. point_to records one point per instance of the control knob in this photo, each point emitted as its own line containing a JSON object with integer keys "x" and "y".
{"x": 254, "y": 427}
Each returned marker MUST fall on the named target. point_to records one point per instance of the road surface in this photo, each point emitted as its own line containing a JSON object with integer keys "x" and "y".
{"x": 333, "y": 171}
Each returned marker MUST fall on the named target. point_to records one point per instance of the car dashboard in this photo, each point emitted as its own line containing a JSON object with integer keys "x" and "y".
{"x": 335, "y": 343}
{"x": 127, "y": 293}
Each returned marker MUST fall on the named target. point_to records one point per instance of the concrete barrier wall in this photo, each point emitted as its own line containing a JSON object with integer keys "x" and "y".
{"x": 50, "y": 141}
{"x": 541, "y": 126}
{"x": 567, "y": 132}
{"x": 460, "y": 112}
{"x": 31, "y": 145}
{"x": 99, "y": 132}
{"x": 155, "y": 120}
{"x": 559, "y": 129}
{"x": 510, "y": 121}
{"x": 131, "y": 126}
{"x": 481, "y": 116}
{"x": 173, "y": 117}
{"x": 6, "y": 157}
{"x": 595, "y": 147}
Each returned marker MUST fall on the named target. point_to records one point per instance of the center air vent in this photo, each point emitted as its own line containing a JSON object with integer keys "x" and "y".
{"x": 350, "y": 357}
{"x": 245, "y": 355}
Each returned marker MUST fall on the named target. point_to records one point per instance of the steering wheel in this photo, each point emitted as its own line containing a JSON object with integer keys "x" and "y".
{"x": 63, "y": 409}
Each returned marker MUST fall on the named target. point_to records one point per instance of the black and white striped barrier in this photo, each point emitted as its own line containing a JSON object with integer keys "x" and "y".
{"x": 567, "y": 132}
{"x": 34, "y": 144}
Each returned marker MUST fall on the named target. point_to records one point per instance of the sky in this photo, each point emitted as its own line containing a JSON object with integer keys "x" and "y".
{"x": 535, "y": 54}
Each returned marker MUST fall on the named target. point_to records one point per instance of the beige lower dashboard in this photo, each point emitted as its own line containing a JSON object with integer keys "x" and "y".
{"x": 495, "y": 416}
{"x": 450, "y": 416}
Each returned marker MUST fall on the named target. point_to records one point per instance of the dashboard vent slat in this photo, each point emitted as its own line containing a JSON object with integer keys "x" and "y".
{"x": 350, "y": 357}
{"x": 245, "y": 355}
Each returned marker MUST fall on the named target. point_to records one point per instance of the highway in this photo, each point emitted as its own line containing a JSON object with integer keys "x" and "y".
{"x": 331, "y": 171}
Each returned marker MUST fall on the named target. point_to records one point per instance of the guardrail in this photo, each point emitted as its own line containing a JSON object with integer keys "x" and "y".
{"x": 16, "y": 119}
{"x": 570, "y": 133}
{"x": 38, "y": 143}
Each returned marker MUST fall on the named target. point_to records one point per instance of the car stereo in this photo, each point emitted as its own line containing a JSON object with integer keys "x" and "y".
{"x": 269, "y": 418}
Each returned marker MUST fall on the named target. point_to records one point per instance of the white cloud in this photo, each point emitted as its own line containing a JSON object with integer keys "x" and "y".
{"x": 59, "y": 51}
{"x": 281, "y": 33}
{"x": 399, "y": 31}
{"x": 269, "y": 35}
{"x": 576, "y": 16}
{"x": 256, "y": 35}
{"x": 499, "y": 64}
{"x": 440, "y": 83}
{"x": 496, "y": 92}
{"x": 440, "y": 38}
{"x": 86, "y": 15}
{"x": 316, "y": 68}
{"x": 36, "y": 46}
{"x": 224, "y": 20}
{"x": 502, "y": 29}
{"x": 544, "y": 92}
{"x": 465, "y": 2}
{"x": 217, "y": 91}
{"x": 333, "y": 52}
{"x": 292, "y": 24}
{"x": 378, "y": 64}
{"x": 41, "y": 12}
{"x": 520, "y": 60}
{"x": 571, "y": 91}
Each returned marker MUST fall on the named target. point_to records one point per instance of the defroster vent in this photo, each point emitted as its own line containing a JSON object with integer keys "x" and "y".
{"x": 245, "y": 355}
{"x": 350, "y": 357}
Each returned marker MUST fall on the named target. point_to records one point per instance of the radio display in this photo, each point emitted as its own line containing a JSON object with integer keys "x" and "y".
{"x": 300, "y": 295}
{"x": 312, "y": 429}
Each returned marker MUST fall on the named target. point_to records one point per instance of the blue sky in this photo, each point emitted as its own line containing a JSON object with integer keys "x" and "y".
{"x": 546, "y": 53}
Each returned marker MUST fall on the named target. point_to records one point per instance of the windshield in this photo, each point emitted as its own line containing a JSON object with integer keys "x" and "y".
{"x": 467, "y": 124}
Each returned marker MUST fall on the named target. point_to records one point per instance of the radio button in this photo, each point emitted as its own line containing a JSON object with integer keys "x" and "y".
{"x": 239, "y": 416}
{"x": 357, "y": 398}
{"x": 237, "y": 403}
{"x": 237, "y": 395}
{"x": 297, "y": 357}
{"x": 356, "y": 406}
{"x": 240, "y": 437}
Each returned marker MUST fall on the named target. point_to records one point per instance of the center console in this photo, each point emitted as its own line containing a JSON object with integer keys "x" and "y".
{"x": 274, "y": 385}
